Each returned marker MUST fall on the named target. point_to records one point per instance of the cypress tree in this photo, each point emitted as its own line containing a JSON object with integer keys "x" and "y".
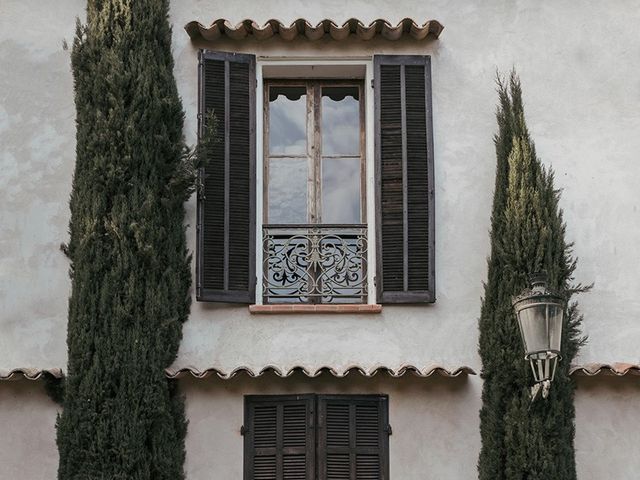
{"x": 523, "y": 440}
{"x": 130, "y": 267}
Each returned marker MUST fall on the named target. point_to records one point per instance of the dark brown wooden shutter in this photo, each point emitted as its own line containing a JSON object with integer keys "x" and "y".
{"x": 404, "y": 179}
{"x": 353, "y": 440}
{"x": 279, "y": 438}
{"x": 225, "y": 264}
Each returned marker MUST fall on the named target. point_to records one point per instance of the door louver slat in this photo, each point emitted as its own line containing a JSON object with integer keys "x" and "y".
{"x": 295, "y": 425}
{"x": 337, "y": 425}
{"x": 264, "y": 468}
{"x": 338, "y": 466}
{"x": 264, "y": 426}
{"x": 368, "y": 467}
{"x": 294, "y": 467}
{"x": 367, "y": 425}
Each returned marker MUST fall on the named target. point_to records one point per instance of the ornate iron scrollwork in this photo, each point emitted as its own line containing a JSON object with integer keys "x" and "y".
{"x": 315, "y": 263}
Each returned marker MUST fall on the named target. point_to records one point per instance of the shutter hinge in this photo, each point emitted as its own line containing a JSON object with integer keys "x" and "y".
{"x": 243, "y": 430}
{"x": 388, "y": 429}
{"x": 372, "y": 84}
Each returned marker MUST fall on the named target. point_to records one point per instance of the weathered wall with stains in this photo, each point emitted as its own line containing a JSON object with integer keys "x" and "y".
{"x": 434, "y": 421}
{"x": 579, "y": 67}
{"x": 430, "y": 421}
{"x": 27, "y": 432}
{"x": 37, "y": 143}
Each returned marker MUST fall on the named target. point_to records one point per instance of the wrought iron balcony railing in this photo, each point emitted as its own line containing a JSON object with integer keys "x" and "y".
{"x": 314, "y": 264}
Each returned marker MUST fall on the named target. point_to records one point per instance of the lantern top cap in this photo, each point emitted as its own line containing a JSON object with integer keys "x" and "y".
{"x": 538, "y": 292}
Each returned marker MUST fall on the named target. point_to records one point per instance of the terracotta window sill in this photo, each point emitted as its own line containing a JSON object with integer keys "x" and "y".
{"x": 342, "y": 308}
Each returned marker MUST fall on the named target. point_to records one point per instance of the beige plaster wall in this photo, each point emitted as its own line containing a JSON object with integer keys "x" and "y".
{"x": 435, "y": 425}
{"x": 434, "y": 422}
{"x": 27, "y": 432}
{"x": 578, "y": 67}
{"x": 37, "y": 154}
{"x": 607, "y": 426}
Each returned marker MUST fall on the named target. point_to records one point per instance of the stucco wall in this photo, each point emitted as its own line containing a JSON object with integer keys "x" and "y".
{"x": 578, "y": 67}
{"x": 37, "y": 154}
{"x": 433, "y": 421}
{"x": 435, "y": 425}
{"x": 27, "y": 432}
{"x": 607, "y": 426}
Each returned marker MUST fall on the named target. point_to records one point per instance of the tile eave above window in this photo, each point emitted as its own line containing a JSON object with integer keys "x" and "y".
{"x": 302, "y": 27}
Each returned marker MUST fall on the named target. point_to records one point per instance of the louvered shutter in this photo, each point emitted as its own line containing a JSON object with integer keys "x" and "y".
{"x": 279, "y": 438}
{"x": 353, "y": 437}
{"x": 404, "y": 179}
{"x": 225, "y": 267}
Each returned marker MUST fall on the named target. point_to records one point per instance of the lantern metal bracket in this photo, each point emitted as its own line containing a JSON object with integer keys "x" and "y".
{"x": 539, "y": 311}
{"x": 543, "y": 386}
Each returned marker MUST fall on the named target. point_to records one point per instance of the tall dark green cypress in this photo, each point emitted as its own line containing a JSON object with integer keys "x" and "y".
{"x": 130, "y": 271}
{"x": 523, "y": 440}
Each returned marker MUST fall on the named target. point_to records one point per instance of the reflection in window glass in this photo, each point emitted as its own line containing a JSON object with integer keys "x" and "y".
{"x": 287, "y": 120}
{"x": 340, "y": 190}
{"x": 340, "y": 121}
{"x": 287, "y": 190}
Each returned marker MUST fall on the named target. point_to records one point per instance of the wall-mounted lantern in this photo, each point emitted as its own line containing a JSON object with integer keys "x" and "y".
{"x": 540, "y": 313}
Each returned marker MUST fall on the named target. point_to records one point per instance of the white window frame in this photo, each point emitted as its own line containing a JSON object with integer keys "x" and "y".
{"x": 342, "y": 62}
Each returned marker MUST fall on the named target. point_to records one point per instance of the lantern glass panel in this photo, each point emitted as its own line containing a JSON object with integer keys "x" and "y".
{"x": 533, "y": 327}
{"x": 554, "y": 315}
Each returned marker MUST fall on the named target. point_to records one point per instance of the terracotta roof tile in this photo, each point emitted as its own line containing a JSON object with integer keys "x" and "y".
{"x": 405, "y": 369}
{"x": 29, "y": 373}
{"x": 591, "y": 369}
{"x": 35, "y": 374}
{"x": 302, "y": 27}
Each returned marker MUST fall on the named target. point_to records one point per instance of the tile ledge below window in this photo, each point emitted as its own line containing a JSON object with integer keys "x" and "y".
{"x": 341, "y": 308}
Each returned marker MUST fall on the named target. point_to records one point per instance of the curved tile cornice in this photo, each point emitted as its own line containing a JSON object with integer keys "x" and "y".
{"x": 303, "y": 28}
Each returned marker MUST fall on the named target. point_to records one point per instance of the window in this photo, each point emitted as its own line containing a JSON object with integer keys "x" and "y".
{"x": 313, "y": 237}
{"x": 309, "y": 437}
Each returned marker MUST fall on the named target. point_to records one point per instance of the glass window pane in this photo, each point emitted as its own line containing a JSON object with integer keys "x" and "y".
{"x": 340, "y": 121}
{"x": 288, "y": 120}
{"x": 341, "y": 190}
{"x": 287, "y": 190}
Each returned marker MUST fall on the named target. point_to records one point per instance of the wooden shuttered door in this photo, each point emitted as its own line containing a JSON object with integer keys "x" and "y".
{"x": 225, "y": 267}
{"x": 353, "y": 437}
{"x": 404, "y": 179}
{"x": 279, "y": 438}
{"x": 336, "y": 437}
